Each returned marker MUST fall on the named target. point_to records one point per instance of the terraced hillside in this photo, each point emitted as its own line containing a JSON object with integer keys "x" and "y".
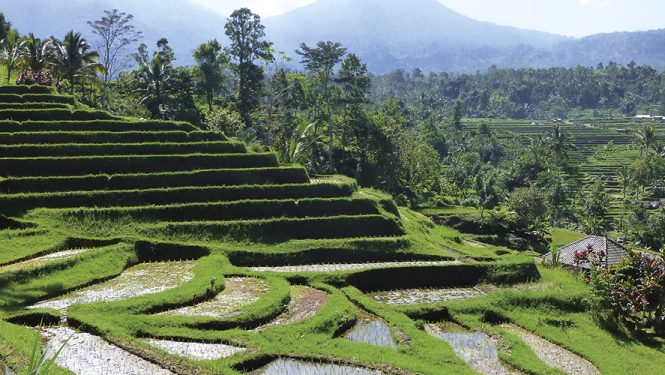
{"x": 132, "y": 246}
{"x": 602, "y": 148}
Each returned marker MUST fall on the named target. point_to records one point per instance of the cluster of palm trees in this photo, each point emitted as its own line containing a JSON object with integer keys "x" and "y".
{"x": 70, "y": 59}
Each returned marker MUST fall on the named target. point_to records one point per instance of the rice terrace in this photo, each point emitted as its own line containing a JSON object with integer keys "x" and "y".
{"x": 258, "y": 211}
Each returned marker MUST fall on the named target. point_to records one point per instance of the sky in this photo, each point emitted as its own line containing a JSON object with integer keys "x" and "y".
{"x": 565, "y": 17}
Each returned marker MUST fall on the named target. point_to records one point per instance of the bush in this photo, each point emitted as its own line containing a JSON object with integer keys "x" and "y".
{"x": 207, "y": 178}
{"x": 75, "y": 149}
{"x": 106, "y": 137}
{"x": 632, "y": 293}
{"x": 78, "y": 166}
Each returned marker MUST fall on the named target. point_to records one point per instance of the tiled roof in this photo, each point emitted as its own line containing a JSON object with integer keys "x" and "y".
{"x": 615, "y": 252}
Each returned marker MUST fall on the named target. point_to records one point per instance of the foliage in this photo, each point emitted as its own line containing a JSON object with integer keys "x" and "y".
{"x": 209, "y": 72}
{"x": 115, "y": 34}
{"x": 247, "y": 34}
{"x": 594, "y": 205}
{"x": 632, "y": 294}
{"x": 529, "y": 209}
{"x": 73, "y": 60}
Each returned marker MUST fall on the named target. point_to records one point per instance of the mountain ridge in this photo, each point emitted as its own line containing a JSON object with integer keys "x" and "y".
{"x": 386, "y": 34}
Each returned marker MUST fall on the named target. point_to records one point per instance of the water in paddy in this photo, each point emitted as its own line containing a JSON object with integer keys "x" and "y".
{"x": 85, "y": 354}
{"x": 292, "y": 366}
{"x": 348, "y": 266}
{"x": 196, "y": 350}
{"x": 477, "y": 349}
{"x": 142, "y": 279}
{"x": 414, "y": 296}
{"x": 371, "y": 330}
{"x": 5, "y": 370}
{"x": 39, "y": 261}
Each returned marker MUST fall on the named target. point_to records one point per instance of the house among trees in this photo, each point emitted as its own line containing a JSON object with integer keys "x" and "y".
{"x": 595, "y": 247}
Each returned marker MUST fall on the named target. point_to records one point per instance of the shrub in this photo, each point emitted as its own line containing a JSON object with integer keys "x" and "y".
{"x": 631, "y": 294}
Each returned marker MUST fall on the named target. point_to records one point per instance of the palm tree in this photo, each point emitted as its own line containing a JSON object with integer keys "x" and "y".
{"x": 10, "y": 54}
{"x": 155, "y": 73}
{"x": 645, "y": 138}
{"x": 625, "y": 179}
{"x": 74, "y": 60}
{"x": 560, "y": 143}
{"x": 36, "y": 53}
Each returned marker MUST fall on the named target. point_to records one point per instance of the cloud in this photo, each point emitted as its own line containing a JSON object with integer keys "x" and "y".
{"x": 598, "y": 3}
{"x": 265, "y": 8}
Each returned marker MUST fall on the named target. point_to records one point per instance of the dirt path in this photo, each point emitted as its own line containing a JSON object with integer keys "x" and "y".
{"x": 238, "y": 292}
{"x": 552, "y": 354}
{"x": 305, "y": 302}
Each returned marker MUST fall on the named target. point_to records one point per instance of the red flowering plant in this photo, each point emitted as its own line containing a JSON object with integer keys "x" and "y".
{"x": 40, "y": 77}
{"x": 631, "y": 294}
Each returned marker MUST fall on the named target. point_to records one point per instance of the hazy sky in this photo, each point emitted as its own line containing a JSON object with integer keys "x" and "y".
{"x": 566, "y": 17}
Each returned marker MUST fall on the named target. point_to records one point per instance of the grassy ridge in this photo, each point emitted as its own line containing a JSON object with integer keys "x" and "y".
{"x": 82, "y": 165}
{"x": 94, "y": 125}
{"x": 155, "y": 148}
{"x": 63, "y": 137}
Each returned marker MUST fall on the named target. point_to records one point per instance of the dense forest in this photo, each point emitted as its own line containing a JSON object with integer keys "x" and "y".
{"x": 408, "y": 133}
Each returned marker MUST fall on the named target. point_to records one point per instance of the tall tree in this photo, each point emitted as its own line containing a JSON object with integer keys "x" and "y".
{"x": 321, "y": 61}
{"x": 247, "y": 34}
{"x": 210, "y": 62}
{"x": 10, "y": 54}
{"x": 5, "y": 26}
{"x": 115, "y": 34}
{"x": 154, "y": 73}
{"x": 73, "y": 59}
{"x": 645, "y": 138}
{"x": 560, "y": 143}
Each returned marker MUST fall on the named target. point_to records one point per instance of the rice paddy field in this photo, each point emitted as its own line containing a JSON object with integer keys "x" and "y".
{"x": 151, "y": 247}
{"x": 602, "y": 148}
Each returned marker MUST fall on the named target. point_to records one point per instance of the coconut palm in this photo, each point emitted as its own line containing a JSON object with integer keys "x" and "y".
{"x": 73, "y": 59}
{"x": 645, "y": 138}
{"x": 154, "y": 73}
{"x": 560, "y": 143}
{"x": 10, "y": 52}
{"x": 36, "y": 54}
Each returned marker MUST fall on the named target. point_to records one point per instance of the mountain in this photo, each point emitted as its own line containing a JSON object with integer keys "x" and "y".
{"x": 390, "y": 33}
{"x": 386, "y": 34}
{"x": 426, "y": 34}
